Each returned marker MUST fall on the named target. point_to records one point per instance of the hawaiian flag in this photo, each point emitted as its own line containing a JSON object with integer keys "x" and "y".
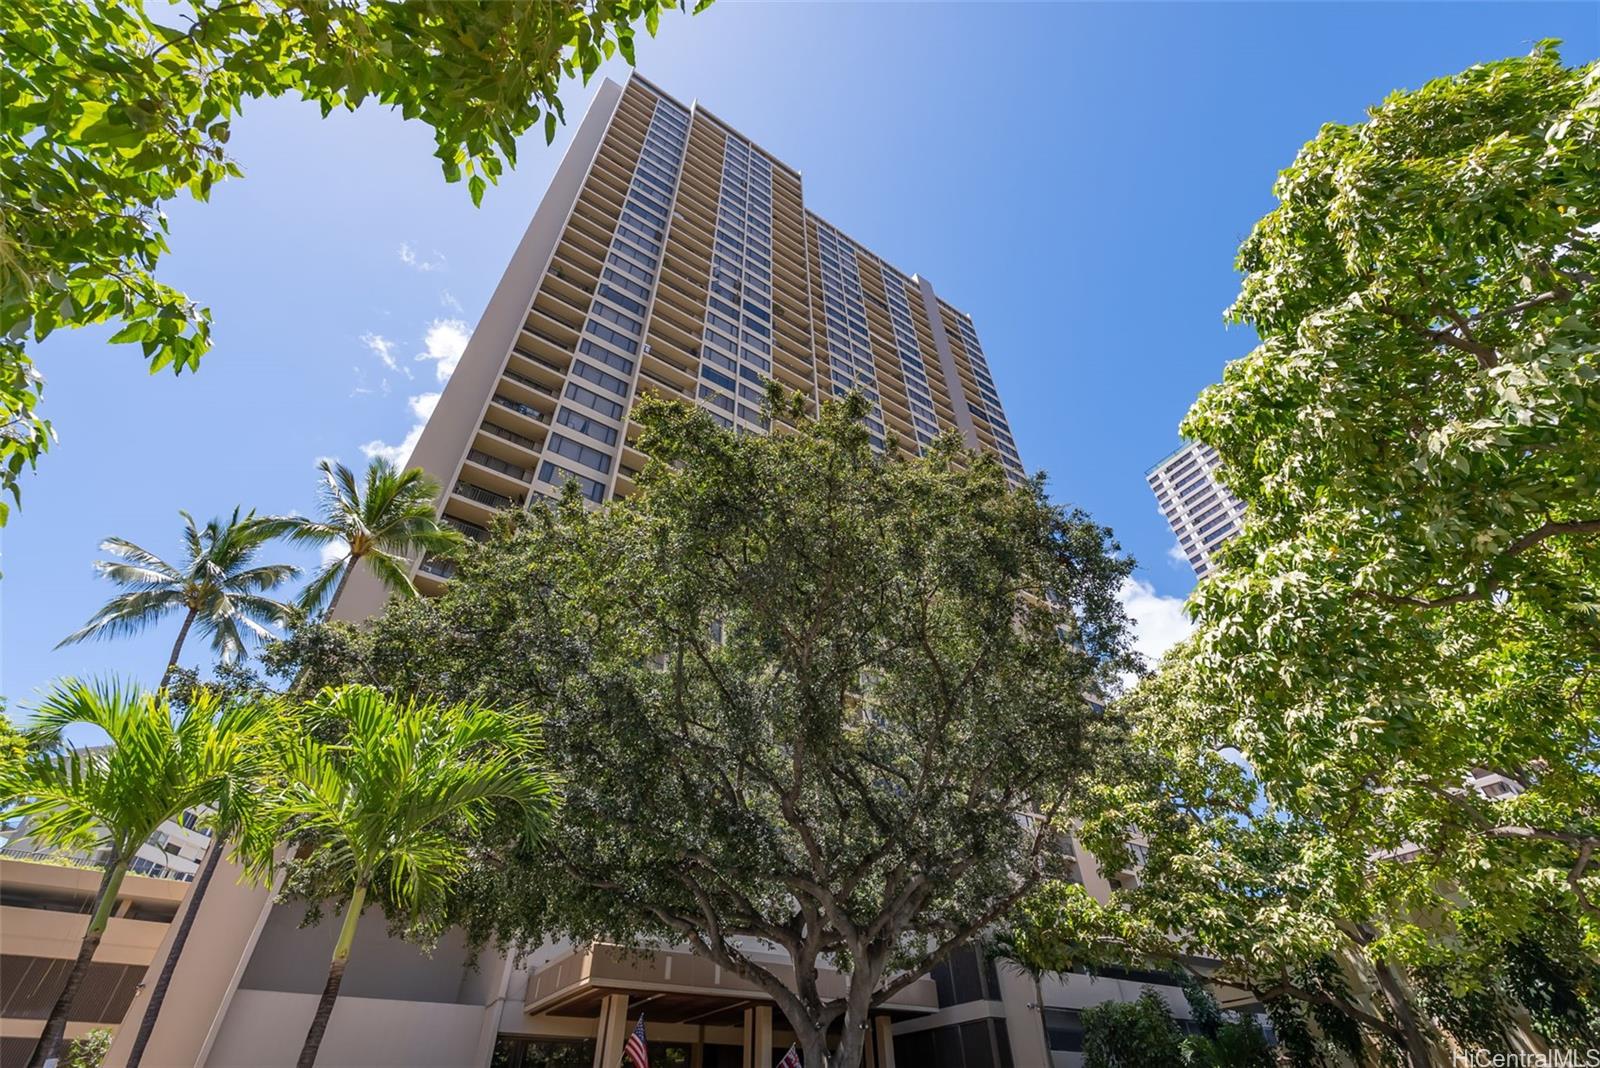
{"x": 790, "y": 1059}
{"x": 637, "y": 1053}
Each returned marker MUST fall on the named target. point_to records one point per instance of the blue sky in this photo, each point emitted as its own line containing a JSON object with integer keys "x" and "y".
{"x": 1092, "y": 169}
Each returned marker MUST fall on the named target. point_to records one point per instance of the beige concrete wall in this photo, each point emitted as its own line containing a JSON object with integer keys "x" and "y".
{"x": 466, "y": 395}
{"x": 266, "y": 1028}
{"x": 224, "y": 930}
{"x": 40, "y": 933}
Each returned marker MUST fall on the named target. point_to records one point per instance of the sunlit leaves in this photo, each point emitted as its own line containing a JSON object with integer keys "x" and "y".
{"x": 108, "y": 110}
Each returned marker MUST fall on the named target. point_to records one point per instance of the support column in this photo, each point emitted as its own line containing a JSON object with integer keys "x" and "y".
{"x": 883, "y": 1040}
{"x": 947, "y": 364}
{"x": 758, "y": 1037}
{"x": 611, "y": 1032}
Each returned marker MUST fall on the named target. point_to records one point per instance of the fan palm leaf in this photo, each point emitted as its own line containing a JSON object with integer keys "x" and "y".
{"x": 112, "y": 798}
{"x": 389, "y": 811}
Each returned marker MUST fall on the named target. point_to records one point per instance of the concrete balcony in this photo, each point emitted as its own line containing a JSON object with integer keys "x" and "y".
{"x": 680, "y": 987}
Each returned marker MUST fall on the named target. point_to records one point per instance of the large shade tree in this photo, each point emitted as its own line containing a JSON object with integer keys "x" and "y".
{"x": 1335, "y": 933}
{"x": 1401, "y": 644}
{"x": 217, "y": 586}
{"x": 1415, "y": 599}
{"x": 108, "y": 110}
{"x": 111, "y": 798}
{"x": 802, "y": 693}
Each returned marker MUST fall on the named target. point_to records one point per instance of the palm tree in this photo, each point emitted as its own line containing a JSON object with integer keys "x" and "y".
{"x": 236, "y": 811}
{"x": 114, "y": 797}
{"x": 1002, "y": 946}
{"x": 384, "y": 523}
{"x": 215, "y": 586}
{"x": 391, "y": 810}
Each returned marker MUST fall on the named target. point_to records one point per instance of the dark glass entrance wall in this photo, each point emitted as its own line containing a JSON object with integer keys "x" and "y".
{"x": 542, "y": 1053}
{"x": 511, "y": 1052}
{"x": 969, "y": 975}
{"x": 974, "y": 1044}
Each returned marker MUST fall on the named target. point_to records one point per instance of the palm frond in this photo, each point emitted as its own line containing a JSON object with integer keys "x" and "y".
{"x": 126, "y": 615}
{"x": 322, "y": 584}
{"x": 141, "y": 557}
{"x": 393, "y": 571}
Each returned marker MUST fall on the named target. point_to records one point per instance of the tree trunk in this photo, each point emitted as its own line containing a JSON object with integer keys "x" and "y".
{"x": 177, "y": 647}
{"x": 158, "y": 993}
{"x": 344, "y": 580}
{"x": 330, "y": 993}
{"x": 813, "y": 1048}
{"x": 1044, "y": 1024}
{"x": 1418, "y": 1048}
{"x": 852, "y": 1043}
{"x": 49, "y": 1049}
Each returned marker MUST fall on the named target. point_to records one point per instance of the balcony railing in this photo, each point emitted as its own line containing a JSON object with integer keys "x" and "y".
{"x": 494, "y": 463}
{"x": 138, "y": 865}
{"x": 524, "y": 380}
{"x": 483, "y": 496}
{"x": 520, "y": 408}
{"x": 540, "y": 360}
{"x": 434, "y": 565}
{"x": 471, "y": 530}
{"x": 511, "y": 436}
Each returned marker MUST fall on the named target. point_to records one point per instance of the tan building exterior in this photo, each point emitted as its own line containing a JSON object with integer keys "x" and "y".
{"x": 670, "y": 254}
{"x": 44, "y": 912}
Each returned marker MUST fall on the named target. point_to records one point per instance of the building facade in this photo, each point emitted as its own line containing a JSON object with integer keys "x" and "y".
{"x": 174, "y": 851}
{"x": 1200, "y": 510}
{"x": 45, "y": 906}
{"x": 671, "y": 254}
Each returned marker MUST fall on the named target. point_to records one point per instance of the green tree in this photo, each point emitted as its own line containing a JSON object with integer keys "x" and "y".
{"x": 13, "y": 743}
{"x": 90, "y": 1050}
{"x": 113, "y": 797}
{"x": 108, "y": 110}
{"x": 392, "y": 807}
{"x": 1415, "y": 600}
{"x": 1361, "y": 949}
{"x": 1414, "y": 603}
{"x": 381, "y": 522}
{"x": 237, "y": 811}
{"x": 218, "y": 585}
{"x": 797, "y": 689}
{"x": 1134, "y": 1034}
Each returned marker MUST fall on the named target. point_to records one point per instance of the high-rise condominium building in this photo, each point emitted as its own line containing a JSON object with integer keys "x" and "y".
{"x": 670, "y": 254}
{"x": 673, "y": 254}
{"x": 1200, "y": 510}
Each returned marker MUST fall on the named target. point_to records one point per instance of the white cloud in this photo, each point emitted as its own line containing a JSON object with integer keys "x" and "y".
{"x": 334, "y": 550}
{"x": 1158, "y": 622}
{"x": 446, "y": 340}
{"x": 449, "y": 300}
{"x": 422, "y": 406}
{"x": 383, "y": 349}
{"x": 1178, "y": 557}
{"x": 409, "y": 257}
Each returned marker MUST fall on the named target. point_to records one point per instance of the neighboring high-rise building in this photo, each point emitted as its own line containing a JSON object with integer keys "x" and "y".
{"x": 670, "y": 254}
{"x": 1200, "y": 510}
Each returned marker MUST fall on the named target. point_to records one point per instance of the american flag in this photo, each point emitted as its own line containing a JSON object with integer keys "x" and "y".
{"x": 790, "y": 1059}
{"x": 634, "y": 1049}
